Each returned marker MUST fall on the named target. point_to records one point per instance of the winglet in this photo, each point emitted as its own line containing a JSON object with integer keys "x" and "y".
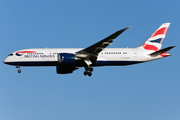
{"x": 116, "y": 34}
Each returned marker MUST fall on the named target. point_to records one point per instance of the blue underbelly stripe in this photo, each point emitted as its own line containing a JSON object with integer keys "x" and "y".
{"x": 54, "y": 63}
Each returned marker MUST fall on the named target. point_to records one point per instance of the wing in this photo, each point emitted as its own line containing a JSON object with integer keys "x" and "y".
{"x": 92, "y": 52}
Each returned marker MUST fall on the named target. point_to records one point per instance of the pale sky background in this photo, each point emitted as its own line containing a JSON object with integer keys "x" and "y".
{"x": 147, "y": 91}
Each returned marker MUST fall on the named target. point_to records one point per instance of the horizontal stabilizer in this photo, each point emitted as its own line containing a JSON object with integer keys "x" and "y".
{"x": 161, "y": 51}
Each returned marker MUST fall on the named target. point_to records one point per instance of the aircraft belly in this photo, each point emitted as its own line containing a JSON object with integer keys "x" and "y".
{"x": 34, "y": 63}
{"x": 114, "y": 63}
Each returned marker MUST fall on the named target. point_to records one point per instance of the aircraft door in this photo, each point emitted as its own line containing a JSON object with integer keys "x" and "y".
{"x": 101, "y": 54}
{"x": 134, "y": 54}
{"x": 47, "y": 55}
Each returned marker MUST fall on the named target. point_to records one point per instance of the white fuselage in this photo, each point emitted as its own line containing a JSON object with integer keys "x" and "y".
{"x": 109, "y": 56}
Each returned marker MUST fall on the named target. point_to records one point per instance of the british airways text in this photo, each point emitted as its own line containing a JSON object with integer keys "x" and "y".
{"x": 39, "y": 56}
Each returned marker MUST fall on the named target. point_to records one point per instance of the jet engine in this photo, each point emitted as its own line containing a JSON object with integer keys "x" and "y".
{"x": 66, "y": 58}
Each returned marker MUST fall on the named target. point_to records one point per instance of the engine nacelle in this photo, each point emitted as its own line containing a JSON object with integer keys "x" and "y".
{"x": 65, "y": 69}
{"x": 66, "y": 58}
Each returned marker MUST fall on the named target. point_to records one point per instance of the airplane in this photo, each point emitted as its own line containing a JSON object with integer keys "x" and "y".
{"x": 68, "y": 60}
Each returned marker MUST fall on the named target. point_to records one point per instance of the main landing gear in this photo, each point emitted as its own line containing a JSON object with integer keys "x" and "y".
{"x": 19, "y": 70}
{"x": 88, "y": 71}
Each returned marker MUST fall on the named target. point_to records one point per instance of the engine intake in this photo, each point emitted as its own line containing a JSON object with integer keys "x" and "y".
{"x": 66, "y": 58}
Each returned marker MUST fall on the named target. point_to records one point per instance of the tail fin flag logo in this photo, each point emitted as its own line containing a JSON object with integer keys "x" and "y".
{"x": 157, "y": 41}
{"x": 154, "y": 42}
{"x": 161, "y": 31}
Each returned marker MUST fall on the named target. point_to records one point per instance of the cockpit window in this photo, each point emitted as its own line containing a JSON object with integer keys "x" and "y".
{"x": 11, "y": 54}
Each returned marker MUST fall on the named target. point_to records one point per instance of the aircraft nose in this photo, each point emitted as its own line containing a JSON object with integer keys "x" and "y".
{"x": 5, "y": 60}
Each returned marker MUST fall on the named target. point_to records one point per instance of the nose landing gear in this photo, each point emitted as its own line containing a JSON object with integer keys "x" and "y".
{"x": 19, "y": 70}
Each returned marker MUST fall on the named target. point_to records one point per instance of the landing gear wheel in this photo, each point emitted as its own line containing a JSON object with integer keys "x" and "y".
{"x": 91, "y": 69}
{"x": 89, "y": 74}
{"x": 19, "y": 71}
{"x": 85, "y": 73}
